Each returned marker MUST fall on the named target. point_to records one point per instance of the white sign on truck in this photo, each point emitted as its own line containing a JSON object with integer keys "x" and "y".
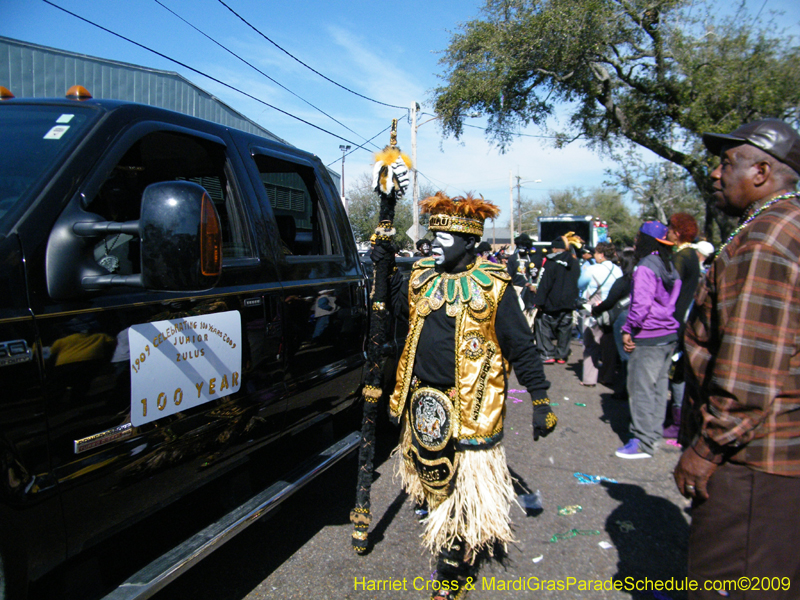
{"x": 182, "y": 363}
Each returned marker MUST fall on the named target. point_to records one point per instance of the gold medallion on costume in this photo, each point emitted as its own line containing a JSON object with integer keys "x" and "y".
{"x": 431, "y": 418}
{"x": 432, "y": 451}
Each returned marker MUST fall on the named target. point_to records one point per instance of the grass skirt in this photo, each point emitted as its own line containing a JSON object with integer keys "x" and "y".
{"x": 477, "y": 510}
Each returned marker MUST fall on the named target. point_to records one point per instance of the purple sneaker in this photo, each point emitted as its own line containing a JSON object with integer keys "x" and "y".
{"x": 632, "y": 450}
{"x": 671, "y": 432}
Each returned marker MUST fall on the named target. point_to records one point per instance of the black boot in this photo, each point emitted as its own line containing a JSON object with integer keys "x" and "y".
{"x": 453, "y": 573}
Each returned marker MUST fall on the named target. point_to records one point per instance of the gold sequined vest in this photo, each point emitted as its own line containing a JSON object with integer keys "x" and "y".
{"x": 471, "y": 298}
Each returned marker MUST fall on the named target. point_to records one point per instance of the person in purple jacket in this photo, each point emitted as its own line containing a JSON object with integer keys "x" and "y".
{"x": 650, "y": 335}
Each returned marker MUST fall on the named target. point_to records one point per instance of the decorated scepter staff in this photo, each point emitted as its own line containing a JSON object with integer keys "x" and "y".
{"x": 390, "y": 180}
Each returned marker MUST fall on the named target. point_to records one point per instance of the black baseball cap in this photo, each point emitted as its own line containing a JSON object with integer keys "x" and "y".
{"x": 775, "y": 137}
{"x": 523, "y": 239}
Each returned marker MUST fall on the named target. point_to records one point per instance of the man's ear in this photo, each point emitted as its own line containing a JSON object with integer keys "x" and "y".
{"x": 763, "y": 171}
{"x": 472, "y": 243}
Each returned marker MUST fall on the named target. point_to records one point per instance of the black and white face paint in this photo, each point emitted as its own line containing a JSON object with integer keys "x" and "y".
{"x": 441, "y": 241}
{"x": 448, "y": 249}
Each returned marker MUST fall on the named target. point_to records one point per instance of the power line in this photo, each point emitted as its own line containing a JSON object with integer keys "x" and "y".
{"x": 488, "y": 181}
{"x": 550, "y": 137}
{"x": 304, "y": 64}
{"x": 185, "y": 66}
{"x": 257, "y": 69}
{"x": 447, "y": 185}
{"x": 367, "y": 142}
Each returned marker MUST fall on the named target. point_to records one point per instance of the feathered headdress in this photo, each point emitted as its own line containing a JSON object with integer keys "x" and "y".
{"x": 462, "y": 214}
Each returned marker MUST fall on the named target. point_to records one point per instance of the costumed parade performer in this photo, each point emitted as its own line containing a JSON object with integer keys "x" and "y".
{"x": 423, "y": 248}
{"x": 465, "y": 326}
{"x": 523, "y": 266}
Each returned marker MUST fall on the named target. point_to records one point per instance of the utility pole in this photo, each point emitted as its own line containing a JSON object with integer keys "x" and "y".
{"x": 415, "y": 182}
{"x": 416, "y": 110}
{"x": 344, "y": 150}
{"x": 519, "y": 204}
{"x": 511, "y": 203}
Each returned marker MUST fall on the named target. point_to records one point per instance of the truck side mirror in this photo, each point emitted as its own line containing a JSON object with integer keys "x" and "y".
{"x": 181, "y": 244}
{"x": 181, "y": 238}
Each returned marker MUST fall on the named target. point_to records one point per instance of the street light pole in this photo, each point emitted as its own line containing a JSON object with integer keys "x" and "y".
{"x": 415, "y": 182}
{"x": 344, "y": 150}
{"x": 528, "y": 212}
{"x": 519, "y": 200}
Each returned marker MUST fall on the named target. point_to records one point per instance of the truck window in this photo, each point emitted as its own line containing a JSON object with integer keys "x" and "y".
{"x": 167, "y": 156}
{"x": 33, "y": 142}
{"x": 294, "y": 198}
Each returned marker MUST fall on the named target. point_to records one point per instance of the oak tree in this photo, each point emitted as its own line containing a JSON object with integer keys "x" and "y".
{"x": 654, "y": 73}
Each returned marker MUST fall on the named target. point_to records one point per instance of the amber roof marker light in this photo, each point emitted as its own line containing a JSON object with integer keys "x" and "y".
{"x": 5, "y": 93}
{"x": 78, "y": 92}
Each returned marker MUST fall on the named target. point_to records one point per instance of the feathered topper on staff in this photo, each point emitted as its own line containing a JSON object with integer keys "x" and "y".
{"x": 390, "y": 171}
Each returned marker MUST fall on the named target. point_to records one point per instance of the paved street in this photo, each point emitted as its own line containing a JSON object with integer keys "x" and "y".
{"x": 304, "y": 550}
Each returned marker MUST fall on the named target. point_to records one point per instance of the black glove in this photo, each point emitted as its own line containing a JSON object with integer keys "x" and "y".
{"x": 381, "y": 249}
{"x": 378, "y": 252}
{"x": 544, "y": 419}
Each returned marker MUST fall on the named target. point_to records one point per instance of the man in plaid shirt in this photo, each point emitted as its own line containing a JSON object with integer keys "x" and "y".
{"x": 741, "y": 431}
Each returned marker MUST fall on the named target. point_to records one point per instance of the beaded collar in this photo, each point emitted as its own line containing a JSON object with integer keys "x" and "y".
{"x": 757, "y": 212}
{"x": 453, "y": 289}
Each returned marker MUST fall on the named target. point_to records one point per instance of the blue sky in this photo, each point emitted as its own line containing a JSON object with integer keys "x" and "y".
{"x": 385, "y": 51}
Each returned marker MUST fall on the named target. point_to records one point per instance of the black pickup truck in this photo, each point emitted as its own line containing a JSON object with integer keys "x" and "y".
{"x": 179, "y": 299}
